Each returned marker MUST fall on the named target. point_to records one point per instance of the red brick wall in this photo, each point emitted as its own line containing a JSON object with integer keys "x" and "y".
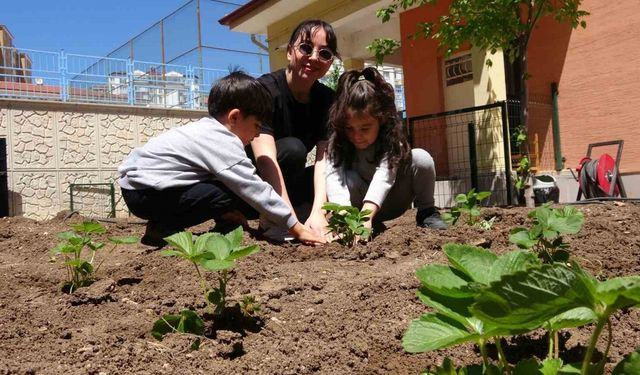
{"x": 598, "y": 70}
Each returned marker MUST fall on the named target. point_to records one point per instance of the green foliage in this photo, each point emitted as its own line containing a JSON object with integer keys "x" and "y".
{"x": 334, "y": 76}
{"x": 523, "y": 170}
{"x": 347, "y": 223}
{"x": 480, "y": 297}
{"x": 185, "y": 322}
{"x": 467, "y": 204}
{"x": 81, "y": 270}
{"x": 213, "y": 252}
{"x": 249, "y": 306}
{"x": 545, "y": 237}
{"x": 629, "y": 365}
{"x": 487, "y": 24}
{"x": 381, "y": 47}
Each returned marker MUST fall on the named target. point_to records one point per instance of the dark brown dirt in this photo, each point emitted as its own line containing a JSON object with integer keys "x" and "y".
{"x": 326, "y": 309}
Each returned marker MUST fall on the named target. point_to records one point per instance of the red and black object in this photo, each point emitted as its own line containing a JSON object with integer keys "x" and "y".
{"x": 600, "y": 178}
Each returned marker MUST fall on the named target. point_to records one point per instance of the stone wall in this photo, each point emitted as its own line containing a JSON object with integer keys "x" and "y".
{"x": 51, "y": 145}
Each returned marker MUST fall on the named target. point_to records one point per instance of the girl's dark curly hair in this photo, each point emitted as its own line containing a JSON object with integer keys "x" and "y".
{"x": 365, "y": 92}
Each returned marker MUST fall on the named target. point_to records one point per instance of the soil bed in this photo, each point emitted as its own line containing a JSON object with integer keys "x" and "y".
{"x": 326, "y": 309}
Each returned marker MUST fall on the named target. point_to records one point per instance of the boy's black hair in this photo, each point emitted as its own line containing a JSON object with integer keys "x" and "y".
{"x": 241, "y": 91}
{"x": 304, "y": 32}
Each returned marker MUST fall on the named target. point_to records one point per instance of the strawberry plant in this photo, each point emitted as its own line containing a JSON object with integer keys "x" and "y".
{"x": 481, "y": 297}
{"x": 347, "y": 223}
{"x": 212, "y": 252}
{"x": 81, "y": 270}
{"x": 545, "y": 237}
{"x": 467, "y": 204}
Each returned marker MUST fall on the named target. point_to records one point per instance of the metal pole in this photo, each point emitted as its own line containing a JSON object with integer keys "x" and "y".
{"x": 506, "y": 141}
{"x": 113, "y": 200}
{"x": 555, "y": 123}
{"x": 71, "y": 197}
{"x": 473, "y": 157}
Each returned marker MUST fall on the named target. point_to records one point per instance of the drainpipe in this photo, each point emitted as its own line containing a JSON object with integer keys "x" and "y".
{"x": 555, "y": 123}
{"x": 258, "y": 43}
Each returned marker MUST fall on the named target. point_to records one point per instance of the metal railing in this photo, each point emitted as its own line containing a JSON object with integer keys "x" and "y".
{"x": 59, "y": 76}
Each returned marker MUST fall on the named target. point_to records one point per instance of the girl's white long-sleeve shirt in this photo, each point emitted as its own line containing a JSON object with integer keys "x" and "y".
{"x": 378, "y": 176}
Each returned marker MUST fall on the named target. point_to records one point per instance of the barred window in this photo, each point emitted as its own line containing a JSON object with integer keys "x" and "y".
{"x": 458, "y": 69}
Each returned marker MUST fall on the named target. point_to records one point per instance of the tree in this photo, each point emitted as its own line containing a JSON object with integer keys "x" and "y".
{"x": 487, "y": 24}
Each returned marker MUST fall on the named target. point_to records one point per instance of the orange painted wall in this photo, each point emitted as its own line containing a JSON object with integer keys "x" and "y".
{"x": 597, "y": 69}
{"x": 421, "y": 63}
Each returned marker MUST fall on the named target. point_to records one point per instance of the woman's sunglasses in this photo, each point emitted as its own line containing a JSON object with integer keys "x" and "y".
{"x": 324, "y": 54}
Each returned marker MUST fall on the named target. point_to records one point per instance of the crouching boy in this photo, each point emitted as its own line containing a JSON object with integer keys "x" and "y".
{"x": 200, "y": 171}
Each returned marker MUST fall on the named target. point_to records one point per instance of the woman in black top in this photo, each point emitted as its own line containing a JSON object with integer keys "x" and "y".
{"x": 301, "y": 107}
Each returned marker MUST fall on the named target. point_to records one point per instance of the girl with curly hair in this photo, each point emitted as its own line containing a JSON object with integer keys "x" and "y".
{"x": 370, "y": 164}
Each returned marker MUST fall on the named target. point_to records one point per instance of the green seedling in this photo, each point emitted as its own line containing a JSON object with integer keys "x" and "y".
{"x": 213, "y": 252}
{"x": 80, "y": 270}
{"x": 347, "y": 223}
{"x": 481, "y": 297}
{"x": 187, "y": 322}
{"x": 523, "y": 170}
{"x": 545, "y": 237}
{"x": 467, "y": 204}
{"x": 249, "y": 306}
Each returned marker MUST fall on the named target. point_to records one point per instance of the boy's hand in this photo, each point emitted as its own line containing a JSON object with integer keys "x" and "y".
{"x": 305, "y": 236}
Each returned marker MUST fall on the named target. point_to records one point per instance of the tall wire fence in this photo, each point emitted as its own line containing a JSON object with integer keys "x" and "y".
{"x": 59, "y": 76}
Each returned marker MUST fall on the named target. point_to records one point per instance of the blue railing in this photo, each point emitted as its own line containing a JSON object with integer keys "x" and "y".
{"x": 65, "y": 77}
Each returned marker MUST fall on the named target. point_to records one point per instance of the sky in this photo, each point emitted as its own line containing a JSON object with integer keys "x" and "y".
{"x": 87, "y": 27}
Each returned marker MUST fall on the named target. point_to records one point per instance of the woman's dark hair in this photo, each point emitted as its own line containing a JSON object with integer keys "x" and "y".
{"x": 304, "y": 32}
{"x": 363, "y": 92}
{"x": 241, "y": 91}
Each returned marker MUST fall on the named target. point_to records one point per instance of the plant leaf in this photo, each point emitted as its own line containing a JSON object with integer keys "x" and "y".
{"x": 445, "y": 280}
{"x": 182, "y": 241}
{"x": 573, "y": 318}
{"x": 126, "y": 240}
{"x": 217, "y": 264}
{"x": 620, "y": 292}
{"x": 434, "y": 331}
{"x": 235, "y": 237}
{"x": 473, "y": 261}
{"x": 89, "y": 227}
{"x": 512, "y": 262}
{"x": 630, "y": 365}
{"x": 185, "y": 322}
{"x": 522, "y": 238}
{"x": 219, "y": 246}
{"x": 243, "y": 252}
{"x": 67, "y": 235}
{"x": 529, "y": 298}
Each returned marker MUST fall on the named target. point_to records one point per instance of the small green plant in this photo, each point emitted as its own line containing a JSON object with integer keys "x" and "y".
{"x": 186, "y": 321}
{"x": 212, "y": 252}
{"x": 347, "y": 223}
{"x": 523, "y": 170}
{"x": 249, "y": 306}
{"x": 80, "y": 269}
{"x": 467, "y": 204}
{"x": 480, "y": 297}
{"x": 333, "y": 77}
{"x": 545, "y": 236}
